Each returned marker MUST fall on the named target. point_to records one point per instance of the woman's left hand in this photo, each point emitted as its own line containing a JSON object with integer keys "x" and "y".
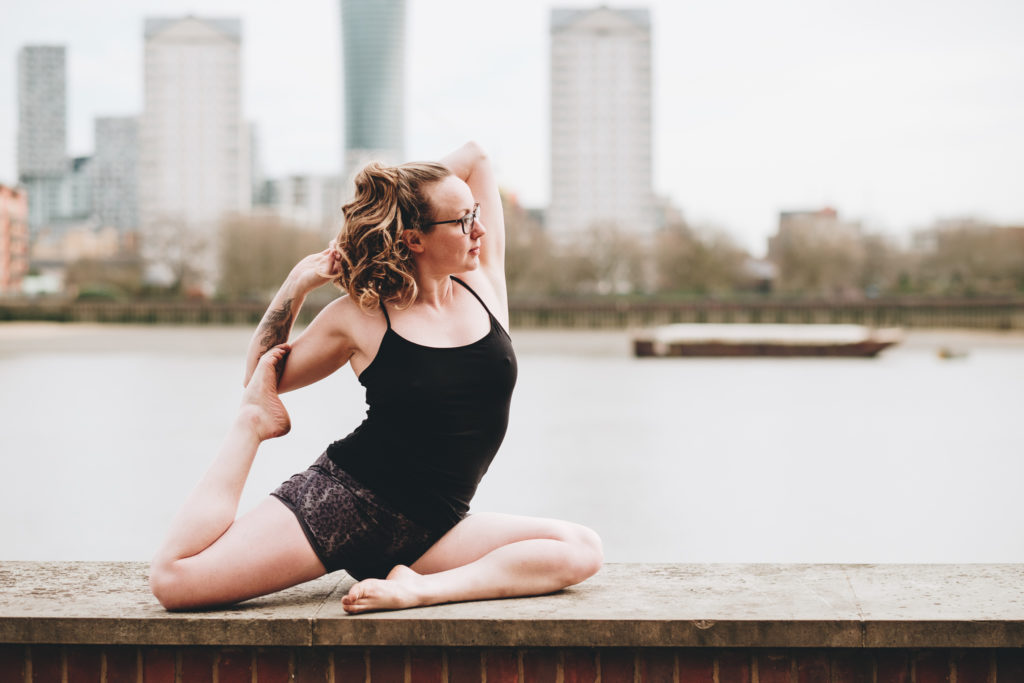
{"x": 315, "y": 270}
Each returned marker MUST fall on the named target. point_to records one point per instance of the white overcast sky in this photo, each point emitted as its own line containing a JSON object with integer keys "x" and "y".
{"x": 896, "y": 112}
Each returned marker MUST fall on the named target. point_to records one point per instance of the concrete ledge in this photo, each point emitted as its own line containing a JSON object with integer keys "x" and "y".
{"x": 625, "y": 605}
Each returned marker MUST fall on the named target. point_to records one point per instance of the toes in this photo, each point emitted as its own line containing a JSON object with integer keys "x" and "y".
{"x": 355, "y": 594}
{"x": 354, "y": 609}
{"x": 274, "y": 355}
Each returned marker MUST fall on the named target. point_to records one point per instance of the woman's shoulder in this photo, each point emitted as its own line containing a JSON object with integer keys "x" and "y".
{"x": 490, "y": 292}
{"x": 353, "y": 327}
{"x": 349, "y": 316}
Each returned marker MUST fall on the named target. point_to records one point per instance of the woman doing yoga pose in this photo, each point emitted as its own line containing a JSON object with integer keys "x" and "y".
{"x": 424, "y": 328}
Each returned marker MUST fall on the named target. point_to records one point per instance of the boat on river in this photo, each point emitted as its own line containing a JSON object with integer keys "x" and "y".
{"x": 710, "y": 340}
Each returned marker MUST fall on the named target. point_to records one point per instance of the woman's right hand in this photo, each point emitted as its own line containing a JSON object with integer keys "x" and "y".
{"x": 315, "y": 270}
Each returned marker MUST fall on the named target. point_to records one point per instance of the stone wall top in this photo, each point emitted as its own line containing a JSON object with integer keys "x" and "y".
{"x": 635, "y": 605}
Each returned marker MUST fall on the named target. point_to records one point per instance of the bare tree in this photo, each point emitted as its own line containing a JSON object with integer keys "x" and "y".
{"x": 971, "y": 257}
{"x": 257, "y": 252}
{"x": 179, "y": 258}
{"x": 698, "y": 260}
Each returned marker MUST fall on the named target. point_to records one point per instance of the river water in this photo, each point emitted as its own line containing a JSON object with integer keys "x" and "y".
{"x": 902, "y": 458}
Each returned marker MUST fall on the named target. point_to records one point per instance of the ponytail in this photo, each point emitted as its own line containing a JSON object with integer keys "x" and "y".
{"x": 375, "y": 263}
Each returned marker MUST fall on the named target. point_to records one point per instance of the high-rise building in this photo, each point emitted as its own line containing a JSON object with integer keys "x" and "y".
{"x": 193, "y": 140}
{"x": 42, "y": 129}
{"x": 13, "y": 239}
{"x": 373, "y": 46}
{"x": 115, "y": 173}
{"x": 76, "y": 191}
{"x": 308, "y": 201}
{"x": 601, "y": 167}
{"x": 42, "y": 111}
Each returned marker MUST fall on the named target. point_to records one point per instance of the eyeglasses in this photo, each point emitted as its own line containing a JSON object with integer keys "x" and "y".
{"x": 467, "y": 221}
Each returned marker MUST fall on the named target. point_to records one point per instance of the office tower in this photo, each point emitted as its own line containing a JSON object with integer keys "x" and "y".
{"x": 309, "y": 201}
{"x": 76, "y": 191}
{"x": 114, "y": 173}
{"x": 373, "y": 46}
{"x": 256, "y": 177}
{"x": 600, "y": 121}
{"x": 193, "y": 141}
{"x": 42, "y": 111}
{"x": 42, "y": 129}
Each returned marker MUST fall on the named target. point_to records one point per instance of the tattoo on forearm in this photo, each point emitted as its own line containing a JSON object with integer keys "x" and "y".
{"x": 276, "y": 325}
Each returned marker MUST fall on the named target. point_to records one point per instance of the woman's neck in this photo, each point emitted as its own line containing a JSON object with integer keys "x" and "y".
{"x": 434, "y": 291}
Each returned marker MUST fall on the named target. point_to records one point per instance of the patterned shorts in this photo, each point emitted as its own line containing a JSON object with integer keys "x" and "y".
{"x": 349, "y": 526}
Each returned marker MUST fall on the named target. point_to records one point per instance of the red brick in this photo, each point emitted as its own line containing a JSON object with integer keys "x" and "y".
{"x": 46, "y": 664}
{"x": 812, "y": 666}
{"x": 893, "y": 666}
{"x": 773, "y": 668}
{"x": 696, "y": 666}
{"x": 852, "y": 666}
{"x": 657, "y": 665}
{"x": 387, "y": 664}
{"x": 734, "y": 667}
{"x": 197, "y": 664}
{"x": 972, "y": 666}
{"x": 426, "y": 666}
{"x": 12, "y": 663}
{"x": 1009, "y": 666}
{"x": 579, "y": 665}
{"x": 617, "y": 665}
{"x": 122, "y": 664}
{"x": 83, "y": 663}
{"x": 540, "y": 666}
{"x": 502, "y": 666}
{"x": 234, "y": 666}
{"x": 158, "y": 665}
{"x": 349, "y": 665}
{"x": 464, "y": 666}
{"x": 274, "y": 665}
{"x": 311, "y": 665}
{"x": 931, "y": 666}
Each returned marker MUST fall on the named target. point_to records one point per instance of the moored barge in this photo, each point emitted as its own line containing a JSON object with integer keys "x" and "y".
{"x": 713, "y": 340}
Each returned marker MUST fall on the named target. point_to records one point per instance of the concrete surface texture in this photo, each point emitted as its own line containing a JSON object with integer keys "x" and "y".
{"x": 635, "y": 605}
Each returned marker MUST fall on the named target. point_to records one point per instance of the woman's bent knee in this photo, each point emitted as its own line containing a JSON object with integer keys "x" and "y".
{"x": 163, "y": 584}
{"x": 587, "y": 554}
{"x": 170, "y": 586}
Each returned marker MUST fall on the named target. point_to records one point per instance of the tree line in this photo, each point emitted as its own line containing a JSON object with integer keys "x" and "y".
{"x": 950, "y": 259}
{"x": 680, "y": 260}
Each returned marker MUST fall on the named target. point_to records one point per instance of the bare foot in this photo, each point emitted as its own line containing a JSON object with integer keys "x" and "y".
{"x": 260, "y": 402}
{"x": 397, "y": 591}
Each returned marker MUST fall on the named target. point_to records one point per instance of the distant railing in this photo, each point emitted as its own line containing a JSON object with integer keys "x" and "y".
{"x": 988, "y": 314}
{"x": 991, "y": 314}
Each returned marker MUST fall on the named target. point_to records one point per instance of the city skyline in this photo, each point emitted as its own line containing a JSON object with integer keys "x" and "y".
{"x": 896, "y": 115}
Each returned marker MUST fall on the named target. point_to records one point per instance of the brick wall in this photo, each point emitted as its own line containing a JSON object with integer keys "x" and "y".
{"x": 130, "y": 664}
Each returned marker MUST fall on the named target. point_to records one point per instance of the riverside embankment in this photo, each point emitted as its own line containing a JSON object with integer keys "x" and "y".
{"x": 629, "y": 623}
{"x": 972, "y": 313}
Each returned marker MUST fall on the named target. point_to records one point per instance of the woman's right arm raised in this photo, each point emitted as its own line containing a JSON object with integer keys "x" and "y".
{"x": 275, "y": 328}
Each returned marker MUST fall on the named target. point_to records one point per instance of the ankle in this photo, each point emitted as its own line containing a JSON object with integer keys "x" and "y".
{"x": 248, "y": 421}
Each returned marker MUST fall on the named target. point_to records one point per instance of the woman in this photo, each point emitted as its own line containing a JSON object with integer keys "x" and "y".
{"x": 423, "y": 326}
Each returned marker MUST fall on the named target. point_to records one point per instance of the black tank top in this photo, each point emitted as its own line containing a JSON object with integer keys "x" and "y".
{"x": 436, "y": 417}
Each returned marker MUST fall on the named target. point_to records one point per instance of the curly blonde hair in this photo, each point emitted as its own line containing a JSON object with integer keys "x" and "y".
{"x": 375, "y": 263}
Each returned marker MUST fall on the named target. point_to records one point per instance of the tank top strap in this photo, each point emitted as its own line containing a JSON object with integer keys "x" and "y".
{"x": 384, "y": 310}
{"x": 470, "y": 289}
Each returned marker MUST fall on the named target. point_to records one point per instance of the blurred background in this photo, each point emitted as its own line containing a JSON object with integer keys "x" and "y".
{"x": 163, "y": 166}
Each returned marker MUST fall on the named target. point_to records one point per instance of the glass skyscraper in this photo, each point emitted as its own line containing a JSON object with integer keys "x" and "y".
{"x": 373, "y": 46}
